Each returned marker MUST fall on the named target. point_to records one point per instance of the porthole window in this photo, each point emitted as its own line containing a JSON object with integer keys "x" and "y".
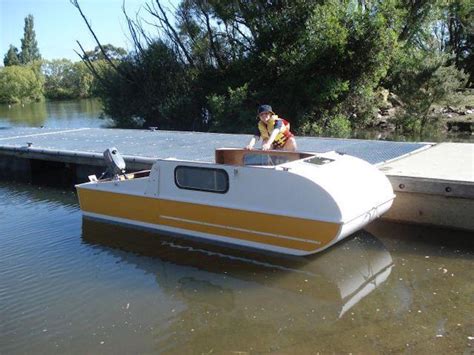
{"x": 201, "y": 179}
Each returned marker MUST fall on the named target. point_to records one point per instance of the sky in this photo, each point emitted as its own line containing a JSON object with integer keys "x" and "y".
{"x": 58, "y": 24}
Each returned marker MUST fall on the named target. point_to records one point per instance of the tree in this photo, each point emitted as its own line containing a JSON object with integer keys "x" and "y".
{"x": 150, "y": 88}
{"x": 84, "y": 83}
{"x": 281, "y": 51}
{"x": 12, "y": 56}
{"x": 66, "y": 80}
{"x": 20, "y": 83}
{"x": 29, "y": 45}
{"x": 459, "y": 20}
{"x": 430, "y": 88}
{"x": 319, "y": 63}
{"x": 109, "y": 50}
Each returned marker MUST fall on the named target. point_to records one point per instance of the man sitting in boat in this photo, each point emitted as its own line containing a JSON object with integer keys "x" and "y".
{"x": 274, "y": 131}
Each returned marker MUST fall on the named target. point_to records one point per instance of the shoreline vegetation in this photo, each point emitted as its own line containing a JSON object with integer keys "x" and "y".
{"x": 331, "y": 68}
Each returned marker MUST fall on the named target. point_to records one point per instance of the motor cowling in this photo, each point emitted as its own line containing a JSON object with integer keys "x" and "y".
{"x": 114, "y": 161}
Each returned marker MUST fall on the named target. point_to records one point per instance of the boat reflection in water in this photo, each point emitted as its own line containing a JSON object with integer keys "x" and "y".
{"x": 333, "y": 281}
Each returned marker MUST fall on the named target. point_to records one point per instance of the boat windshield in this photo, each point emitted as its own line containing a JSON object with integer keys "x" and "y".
{"x": 265, "y": 159}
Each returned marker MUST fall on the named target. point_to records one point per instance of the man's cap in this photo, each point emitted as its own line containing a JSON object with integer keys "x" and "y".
{"x": 265, "y": 108}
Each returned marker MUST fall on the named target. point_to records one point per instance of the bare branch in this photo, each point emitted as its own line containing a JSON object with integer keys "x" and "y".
{"x": 132, "y": 29}
{"x": 185, "y": 18}
{"x": 169, "y": 29}
{"x": 213, "y": 45}
{"x": 75, "y": 3}
{"x": 85, "y": 58}
{"x": 249, "y": 41}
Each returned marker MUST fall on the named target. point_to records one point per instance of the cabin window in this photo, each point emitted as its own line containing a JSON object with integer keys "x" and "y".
{"x": 201, "y": 179}
{"x": 265, "y": 159}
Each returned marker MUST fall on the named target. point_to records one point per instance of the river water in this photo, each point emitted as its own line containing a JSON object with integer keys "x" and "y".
{"x": 72, "y": 285}
{"x": 53, "y": 114}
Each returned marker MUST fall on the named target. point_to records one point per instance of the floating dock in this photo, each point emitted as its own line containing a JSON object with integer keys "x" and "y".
{"x": 434, "y": 183}
{"x": 434, "y": 186}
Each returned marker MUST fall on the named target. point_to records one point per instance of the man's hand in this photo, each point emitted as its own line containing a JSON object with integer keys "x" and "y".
{"x": 266, "y": 146}
{"x": 249, "y": 147}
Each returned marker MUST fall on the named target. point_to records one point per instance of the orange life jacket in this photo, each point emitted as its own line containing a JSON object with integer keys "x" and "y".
{"x": 266, "y": 129}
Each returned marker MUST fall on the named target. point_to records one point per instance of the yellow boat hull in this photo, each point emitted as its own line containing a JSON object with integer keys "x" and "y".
{"x": 276, "y": 233}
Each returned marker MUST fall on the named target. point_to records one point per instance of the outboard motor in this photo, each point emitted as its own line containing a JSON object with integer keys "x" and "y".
{"x": 114, "y": 162}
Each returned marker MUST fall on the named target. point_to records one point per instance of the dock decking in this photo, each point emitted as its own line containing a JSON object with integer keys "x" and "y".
{"x": 148, "y": 144}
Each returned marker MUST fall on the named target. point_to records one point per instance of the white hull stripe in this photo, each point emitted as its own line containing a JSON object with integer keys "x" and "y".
{"x": 218, "y": 238}
{"x": 239, "y": 229}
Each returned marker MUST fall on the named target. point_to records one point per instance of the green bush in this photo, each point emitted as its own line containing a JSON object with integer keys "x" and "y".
{"x": 308, "y": 128}
{"x": 231, "y": 113}
{"x": 338, "y": 126}
{"x": 332, "y": 125}
{"x": 150, "y": 88}
{"x": 21, "y": 84}
{"x": 426, "y": 82}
